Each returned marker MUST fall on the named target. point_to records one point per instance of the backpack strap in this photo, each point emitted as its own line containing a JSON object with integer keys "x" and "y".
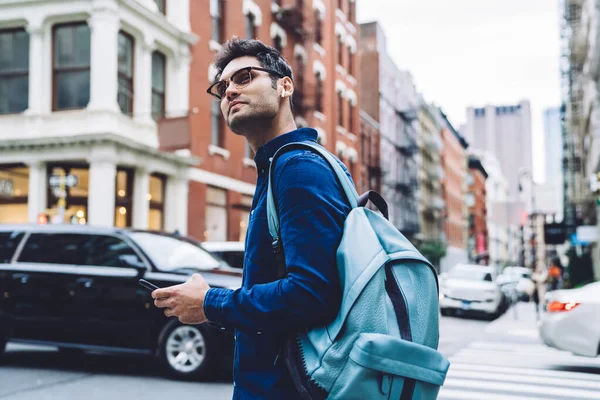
{"x": 272, "y": 213}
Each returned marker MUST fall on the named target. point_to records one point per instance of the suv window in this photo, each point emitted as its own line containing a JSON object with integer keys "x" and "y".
{"x": 106, "y": 251}
{"x": 8, "y": 244}
{"x": 53, "y": 248}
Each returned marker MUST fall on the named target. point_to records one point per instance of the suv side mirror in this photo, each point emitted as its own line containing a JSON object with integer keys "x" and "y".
{"x": 131, "y": 261}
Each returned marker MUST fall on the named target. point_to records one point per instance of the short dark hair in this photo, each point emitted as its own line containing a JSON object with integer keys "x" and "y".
{"x": 268, "y": 57}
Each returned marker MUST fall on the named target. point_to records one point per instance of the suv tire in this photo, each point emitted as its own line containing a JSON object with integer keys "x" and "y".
{"x": 187, "y": 352}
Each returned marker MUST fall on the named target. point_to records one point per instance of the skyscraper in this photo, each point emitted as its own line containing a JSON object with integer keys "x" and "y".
{"x": 505, "y": 131}
{"x": 553, "y": 152}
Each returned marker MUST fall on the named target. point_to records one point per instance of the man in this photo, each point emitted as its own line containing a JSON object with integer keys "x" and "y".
{"x": 254, "y": 86}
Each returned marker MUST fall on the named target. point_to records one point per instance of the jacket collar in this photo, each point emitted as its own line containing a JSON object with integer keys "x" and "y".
{"x": 268, "y": 150}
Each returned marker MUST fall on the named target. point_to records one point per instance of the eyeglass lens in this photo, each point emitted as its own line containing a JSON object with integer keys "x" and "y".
{"x": 239, "y": 79}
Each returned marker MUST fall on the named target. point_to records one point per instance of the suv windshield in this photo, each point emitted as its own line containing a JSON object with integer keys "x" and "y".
{"x": 170, "y": 254}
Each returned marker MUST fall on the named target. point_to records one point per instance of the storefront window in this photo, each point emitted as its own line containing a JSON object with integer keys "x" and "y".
{"x": 76, "y": 194}
{"x": 156, "y": 198}
{"x": 14, "y": 188}
{"x": 123, "y": 198}
{"x": 216, "y": 215}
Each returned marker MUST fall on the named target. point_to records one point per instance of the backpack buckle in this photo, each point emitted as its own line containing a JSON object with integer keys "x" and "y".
{"x": 276, "y": 244}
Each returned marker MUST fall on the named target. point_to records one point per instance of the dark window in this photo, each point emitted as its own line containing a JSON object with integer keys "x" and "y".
{"x": 250, "y": 26}
{"x": 318, "y": 93}
{"x": 125, "y": 74}
{"x": 71, "y": 66}
{"x": 350, "y": 62}
{"x": 105, "y": 251}
{"x": 340, "y": 51}
{"x": 318, "y": 28}
{"x": 14, "y": 71}
{"x": 340, "y": 109}
{"x": 217, "y": 20}
{"x": 351, "y": 118}
{"x": 54, "y": 248}
{"x": 159, "y": 64}
{"x": 216, "y": 124}
{"x": 277, "y": 43}
{"x": 162, "y": 6}
{"x": 8, "y": 244}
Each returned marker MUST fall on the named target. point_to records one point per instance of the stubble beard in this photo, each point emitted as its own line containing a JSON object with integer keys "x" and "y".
{"x": 253, "y": 119}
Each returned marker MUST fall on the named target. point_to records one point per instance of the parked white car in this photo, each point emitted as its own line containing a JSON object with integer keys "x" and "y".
{"x": 230, "y": 252}
{"x": 571, "y": 320}
{"x": 517, "y": 279}
{"x": 470, "y": 289}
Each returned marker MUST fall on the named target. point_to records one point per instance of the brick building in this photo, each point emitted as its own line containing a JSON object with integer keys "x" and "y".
{"x": 476, "y": 202}
{"x": 318, "y": 39}
{"x": 431, "y": 174}
{"x": 370, "y": 178}
{"x": 454, "y": 164}
{"x": 388, "y": 95}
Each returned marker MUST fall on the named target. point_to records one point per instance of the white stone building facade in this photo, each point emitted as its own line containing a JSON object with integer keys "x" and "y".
{"x": 83, "y": 100}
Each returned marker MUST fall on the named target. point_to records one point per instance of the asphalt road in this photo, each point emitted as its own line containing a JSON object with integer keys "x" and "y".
{"x": 28, "y": 372}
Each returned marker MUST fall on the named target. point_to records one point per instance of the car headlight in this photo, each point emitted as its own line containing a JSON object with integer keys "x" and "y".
{"x": 442, "y": 295}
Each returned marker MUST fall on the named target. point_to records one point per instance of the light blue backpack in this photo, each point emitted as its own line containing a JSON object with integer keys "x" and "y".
{"x": 383, "y": 342}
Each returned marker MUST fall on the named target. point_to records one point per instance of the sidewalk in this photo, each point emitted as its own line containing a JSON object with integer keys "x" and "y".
{"x": 519, "y": 320}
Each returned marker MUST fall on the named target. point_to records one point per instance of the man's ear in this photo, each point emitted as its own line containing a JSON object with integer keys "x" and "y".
{"x": 287, "y": 86}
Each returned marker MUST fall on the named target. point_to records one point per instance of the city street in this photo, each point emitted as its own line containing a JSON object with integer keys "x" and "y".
{"x": 499, "y": 360}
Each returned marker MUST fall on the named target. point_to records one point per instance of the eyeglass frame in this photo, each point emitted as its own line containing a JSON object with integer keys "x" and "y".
{"x": 247, "y": 69}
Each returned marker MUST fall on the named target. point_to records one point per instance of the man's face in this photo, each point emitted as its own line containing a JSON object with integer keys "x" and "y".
{"x": 258, "y": 101}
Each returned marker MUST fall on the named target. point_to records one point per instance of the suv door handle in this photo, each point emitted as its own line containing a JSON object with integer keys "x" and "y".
{"x": 86, "y": 282}
{"x": 24, "y": 278}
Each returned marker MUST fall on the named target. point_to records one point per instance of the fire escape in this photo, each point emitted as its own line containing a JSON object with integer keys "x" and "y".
{"x": 292, "y": 19}
{"x": 572, "y": 113}
{"x": 407, "y": 186}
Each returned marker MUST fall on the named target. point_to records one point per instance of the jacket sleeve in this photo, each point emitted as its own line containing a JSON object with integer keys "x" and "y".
{"x": 312, "y": 210}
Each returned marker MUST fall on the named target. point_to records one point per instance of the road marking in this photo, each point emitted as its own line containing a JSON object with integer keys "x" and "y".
{"x": 521, "y": 388}
{"x": 530, "y": 379}
{"x": 534, "y": 356}
{"x": 525, "y": 371}
{"x": 460, "y": 395}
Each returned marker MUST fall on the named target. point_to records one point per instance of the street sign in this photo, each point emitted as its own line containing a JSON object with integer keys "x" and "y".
{"x": 554, "y": 233}
{"x": 68, "y": 181}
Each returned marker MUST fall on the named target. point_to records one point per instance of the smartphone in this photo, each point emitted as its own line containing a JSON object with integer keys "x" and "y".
{"x": 150, "y": 286}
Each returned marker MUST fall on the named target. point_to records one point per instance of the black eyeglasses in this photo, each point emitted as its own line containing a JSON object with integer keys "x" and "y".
{"x": 240, "y": 78}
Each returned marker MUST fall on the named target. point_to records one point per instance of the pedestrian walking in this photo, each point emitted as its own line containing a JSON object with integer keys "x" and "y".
{"x": 539, "y": 278}
{"x": 555, "y": 274}
{"x": 254, "y": 86}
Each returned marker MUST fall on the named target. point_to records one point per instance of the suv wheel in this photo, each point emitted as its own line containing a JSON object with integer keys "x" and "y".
{"x": 186, "y": 351}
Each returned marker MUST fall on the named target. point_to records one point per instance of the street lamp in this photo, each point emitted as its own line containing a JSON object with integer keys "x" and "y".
{"x": 532, "y": 215}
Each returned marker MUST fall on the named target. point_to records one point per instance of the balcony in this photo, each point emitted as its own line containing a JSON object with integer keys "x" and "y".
{"x": 408, "y": 115}
{"x": 408, "y": 146}
{"x": 291, "y": 18}
{"x": 435, "y": 203}
{"x": 174, "y": 133}
{"x": 407, "y": 185}
{"x": 436, "y": 173}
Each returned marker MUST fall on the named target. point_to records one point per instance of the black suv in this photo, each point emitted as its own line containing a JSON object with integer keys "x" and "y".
{"x": 76, "y": 287}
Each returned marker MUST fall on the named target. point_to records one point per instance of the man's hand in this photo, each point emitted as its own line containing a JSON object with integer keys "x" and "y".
{"x": 185, "y": 301}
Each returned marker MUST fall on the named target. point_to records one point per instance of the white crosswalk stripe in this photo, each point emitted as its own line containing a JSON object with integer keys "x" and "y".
{"x": 494, "y": 370}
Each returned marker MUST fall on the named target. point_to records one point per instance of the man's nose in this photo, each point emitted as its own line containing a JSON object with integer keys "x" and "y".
{"x": 232, "y": 91}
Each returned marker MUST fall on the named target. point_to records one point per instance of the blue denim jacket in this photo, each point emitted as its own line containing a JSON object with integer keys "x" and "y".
{"x": 312, "y": 209}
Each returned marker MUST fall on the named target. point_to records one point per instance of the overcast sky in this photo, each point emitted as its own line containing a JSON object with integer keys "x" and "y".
{"x": 476, "y": 52}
